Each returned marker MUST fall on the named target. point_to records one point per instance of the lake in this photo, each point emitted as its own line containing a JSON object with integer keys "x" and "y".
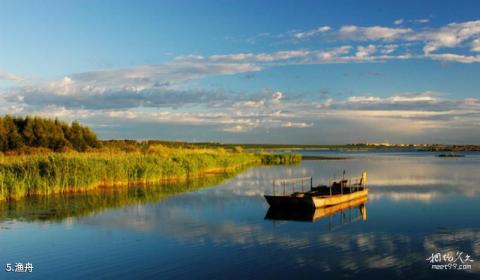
{"x": 418, "y": 205}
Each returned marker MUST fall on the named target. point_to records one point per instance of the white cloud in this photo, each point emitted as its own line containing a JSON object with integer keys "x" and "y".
{"x": 341, "y": 54}
{"x": 398, "y": 21}
{"x": 311, "y": 33}
{"x": 388, "y": 49}
{"x": 297, "y": 124}
{"x": 247, "y": 57}
{"x": 449, "y": 36}
{"x": 179, "y": 70}
{"x": 476, "y": 45}
{"x": 10, "y": 77}
{"x": 372, "y": 32}
{"x": 141, "y": 86}
{"x": 331, "y": 55}
{"x": 281, "y": 55}
{"x": 167, "y": 93}
{"x": 277, "y": 96}
{"x": 364, "y": 52}
{"x": 402, "y": 114}
{"x": 407, "y": 101}
{"x": 364, "y": 99}
{"x": 455, "y": 57}
{"x": 357, "y": 32}
{"x": 235, "y": 129}
{"x": 453, "y": 35}
{"x": 421, "y": 20}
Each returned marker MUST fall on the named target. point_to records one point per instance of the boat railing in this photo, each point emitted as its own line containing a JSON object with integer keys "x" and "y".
{"x": 292, "y": 183}
{"x": 353, "y": 184}
{"x": 347, "y": 185}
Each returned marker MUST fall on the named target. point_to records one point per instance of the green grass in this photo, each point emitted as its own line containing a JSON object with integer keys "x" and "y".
{"x": 29, "y": 175}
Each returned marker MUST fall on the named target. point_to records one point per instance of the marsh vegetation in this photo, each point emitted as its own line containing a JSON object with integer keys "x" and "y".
{"x": 43, "y": 157}
{"x": 27, "y": 175}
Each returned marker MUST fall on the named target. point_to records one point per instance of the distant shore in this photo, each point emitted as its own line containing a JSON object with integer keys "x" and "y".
{"x": 342, "y": 147}
{"x": 308, "y": 157}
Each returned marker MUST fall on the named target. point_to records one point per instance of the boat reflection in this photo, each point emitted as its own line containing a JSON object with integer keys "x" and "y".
{"x": 349, "y": 211}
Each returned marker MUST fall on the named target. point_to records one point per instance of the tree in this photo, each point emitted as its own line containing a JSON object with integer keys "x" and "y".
{"x": 41, "y": 132}
{"x": 76, "y": 137}
{"x": 57, "y": 139}
{"x": 28, "y": 133}
{"x": 14, "y": 139}
{"x": 3, "y": 137}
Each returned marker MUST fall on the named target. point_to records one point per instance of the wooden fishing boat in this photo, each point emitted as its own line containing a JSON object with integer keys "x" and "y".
{"x": 321, "y": 196}
{"x": 315, "y": 214}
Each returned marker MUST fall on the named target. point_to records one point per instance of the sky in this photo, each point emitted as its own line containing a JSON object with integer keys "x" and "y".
{"x": 299, "y": 72}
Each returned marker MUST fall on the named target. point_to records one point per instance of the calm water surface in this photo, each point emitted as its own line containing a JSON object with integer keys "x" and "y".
{"x": 418, "y": 205}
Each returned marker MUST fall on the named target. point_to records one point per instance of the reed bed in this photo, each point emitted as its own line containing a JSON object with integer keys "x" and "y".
{"x": 28, "y": 175}
{"x": 51, "y": 173}
{"x": 268, "y": 159}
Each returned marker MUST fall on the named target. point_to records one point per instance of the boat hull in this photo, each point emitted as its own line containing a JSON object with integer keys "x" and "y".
{"x": 312, "y": 215}
{"x": 313, "y": 201}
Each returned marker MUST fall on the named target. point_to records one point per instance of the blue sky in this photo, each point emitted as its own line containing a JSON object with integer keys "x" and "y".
{"x": 247, "y": 71}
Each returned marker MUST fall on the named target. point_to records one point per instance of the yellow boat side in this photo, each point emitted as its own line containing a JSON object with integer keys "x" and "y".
{"x": 324, "y": 201}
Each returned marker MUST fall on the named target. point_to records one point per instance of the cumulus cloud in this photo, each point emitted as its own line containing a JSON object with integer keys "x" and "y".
{"x": 390, "y": 43}
{"x": 142, "y": 86}
{"x": 453, "y": 35}
{"x": 476, "y": 45}
{"x": 164, "y": 93}
{"x": 340, "y": 54}
{"x": 449, "y": 36}
{"x": 364, "y": 52}
{"x": 406, "y": 114}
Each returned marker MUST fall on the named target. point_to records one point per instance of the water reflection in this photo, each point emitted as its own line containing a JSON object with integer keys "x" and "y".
{"x": 399, "y": 178}
{"x": 59, "y": 207}
{"x": 417, "y": 206}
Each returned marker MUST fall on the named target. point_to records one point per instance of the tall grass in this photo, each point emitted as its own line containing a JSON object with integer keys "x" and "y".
{"x": 27, "y": 175}
{"x": 76, "y": 172}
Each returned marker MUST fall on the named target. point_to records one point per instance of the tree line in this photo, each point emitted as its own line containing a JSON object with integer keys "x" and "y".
{"x": 17, "y": 133}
